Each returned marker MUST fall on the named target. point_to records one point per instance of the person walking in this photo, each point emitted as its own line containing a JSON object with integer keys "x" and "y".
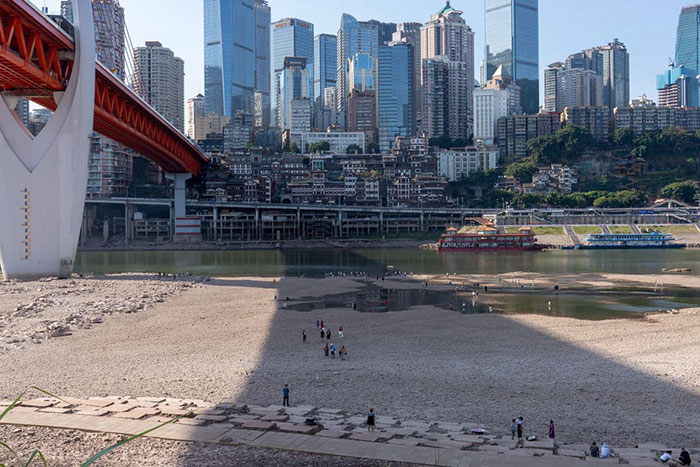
{"x": 328, "y": 334}
{"x": 332, "y": 350}
{"x": 370, "y": 420}
{"x": 318, "y": 324}
{"x": 322, "y": 326}
{"x": 285, "y": 395}
{"x": 513, "y": 429}
{"x": 326, "y": 349}
{"x": 343, "y": 353}
{"x": 323, "y": 333}
{"x": 303, "y": 335}
{"x": 551, "y": 434}
{"x": 340, "y": 332}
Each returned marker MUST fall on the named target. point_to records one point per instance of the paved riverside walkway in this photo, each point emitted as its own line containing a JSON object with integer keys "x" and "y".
{"x": 412, "y": 441}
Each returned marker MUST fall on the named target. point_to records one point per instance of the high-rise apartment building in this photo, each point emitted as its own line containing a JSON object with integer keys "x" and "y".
{"x": 195, "y": 110}
{"x": 616, "y": 75}
{"x": 447, "y": 78}
{"x": 512, "y": 40}
{"x": 552, "y": 87}
{"x": 229, "y": 56}
{"x": 162, "y": 76}
{"x": 353, "y": 36}
{"x": 688, "y": 39}
{"x": 325, "y": 64}
{"x": 677, "y": 87}
{"x": 498, "y": 98}
{"x": 395, "y": 93}
{"x": 362, "y": 113}
{"x": 409, "y": 34}
{"x": 295, "y": 93}
{"x": 262, "y": 106}
{"x": 579, "y": 88}
{"x": 291, "y": 37}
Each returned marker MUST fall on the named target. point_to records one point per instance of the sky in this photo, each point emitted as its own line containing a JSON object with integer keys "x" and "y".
{"x": 647, "y": 27}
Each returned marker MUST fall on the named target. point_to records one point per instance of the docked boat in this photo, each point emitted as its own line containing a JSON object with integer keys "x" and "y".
{"x": 630, "y": 241}
{"x": 488, "y": 238}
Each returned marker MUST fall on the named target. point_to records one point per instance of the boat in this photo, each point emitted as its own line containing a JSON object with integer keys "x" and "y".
{"x": 488, "y": 238}
{"x": 630, "y": 241}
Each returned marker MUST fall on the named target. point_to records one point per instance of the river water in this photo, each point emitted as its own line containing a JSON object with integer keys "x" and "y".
{"x": 317, "y": 263}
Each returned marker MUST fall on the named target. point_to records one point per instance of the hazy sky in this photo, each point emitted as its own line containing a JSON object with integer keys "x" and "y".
{"x": 647, "y": 27}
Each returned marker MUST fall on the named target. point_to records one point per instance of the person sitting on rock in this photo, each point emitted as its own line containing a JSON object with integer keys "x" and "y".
{"x": 684, "y": 458}
{"x": 595, "y": 451}
{"x": 666, "y": 457}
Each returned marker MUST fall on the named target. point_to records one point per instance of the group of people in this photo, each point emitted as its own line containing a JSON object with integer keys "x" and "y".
{"x": 517, "y": 427}
{"x": 683, "y": 459}
{"x": 329, "y": 349}
{"x": 361, "y": 274}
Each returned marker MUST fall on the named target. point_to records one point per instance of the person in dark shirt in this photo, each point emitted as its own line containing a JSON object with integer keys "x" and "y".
{"x": 595, "y": 452}
{"x": 370, "y": 420}
{"x": 285, "y": 395}
{"x": 684, "y": 458}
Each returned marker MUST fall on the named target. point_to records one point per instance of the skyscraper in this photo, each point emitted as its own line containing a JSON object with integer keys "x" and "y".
{"x": 353, "y": 36}
{"x": 616, "y": 75}
{"x": 409, "y": 34}
{"x": 229, "y": 56}
{"x": 291, "y": 37}
{"x": 395, "y": 93}
{"x": 447, "y": 80}
{"x": 385, "y": 31}
{"x": 552, "y": 89}
{"x": 295, "y": 93}
{"x": 262, "y": 110}
{"x": 688, "y": 39}
{"x": 195, "y": 110}
{"x": 361, "y": 72}
{"x": 325, "y": 63}
{"x": 512, "y": 40}
{"x": 163, "y": 80}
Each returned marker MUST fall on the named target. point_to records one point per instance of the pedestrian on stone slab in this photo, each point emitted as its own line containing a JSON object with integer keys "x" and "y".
{"x": 326, "y": 349}
{"x": 519, "y": 427}
{"x": 285, "y": 395}
{"x": 343, "y": 353}
{"x": 370, "y": 420}
{"x": 303, "y": 335}
{"x": 332, "y": 350}
{"x": 340, "y": 332}
{"x": 551, "y": 430}
{"x": 513, "y": 429}
{"x": 595, "y": 451}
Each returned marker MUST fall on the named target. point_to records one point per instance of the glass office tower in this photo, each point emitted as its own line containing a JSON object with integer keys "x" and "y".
{"x": 688, "y": 39}
{"x": 512, "y": 40}
{"x": 262, "y": 63}
{"x": 395, "y": 94}
{"x": 291, "y": 37}
{"x": 353, "y": 36}
{"x": 325, "y": 63}
{"x": 229, "y": 56}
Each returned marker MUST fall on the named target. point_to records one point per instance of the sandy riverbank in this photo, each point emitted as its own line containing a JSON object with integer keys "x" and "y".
{"x": 624, "y": 381}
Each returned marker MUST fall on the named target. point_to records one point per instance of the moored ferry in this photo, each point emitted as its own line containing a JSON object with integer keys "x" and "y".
{"x": 488, "y": 238}
{"x": 630, "y": 241}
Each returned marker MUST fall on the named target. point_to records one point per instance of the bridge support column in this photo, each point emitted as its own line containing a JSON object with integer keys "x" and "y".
{"x": 187, "y": 229}
{"x": 43, "y": 179}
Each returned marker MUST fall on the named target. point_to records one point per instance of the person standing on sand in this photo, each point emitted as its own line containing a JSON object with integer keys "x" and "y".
{"x": 340, "y": 332}
{"x": 285, "y": 395}
{"x": 370, "y": 420}
{"x": 303, "y": 335}
{"x": 332, "y": 350}
{"x": 318, "y": 324}
{"x": 513, "y": 429}
{"x": 343, "y": 353}
{"x": 551, "y": 430}
{"x": 323, "y": 333}
{"x": 519, "y": 426}
{"x": 328, "y": 334}
{"x": 322, "y": 327}
{"x": 326, "y": 349}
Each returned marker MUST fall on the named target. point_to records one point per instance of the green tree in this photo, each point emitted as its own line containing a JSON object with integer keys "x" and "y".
{"x": 373, "y": 148}
{"x": 321, "y": 146}
{"x": 521, "y": 171}
{"x": 623, "y": 137}
{"x": 293, "y": 148}
{"x": 682, "y": 191}
{"x": 353, "y": 149}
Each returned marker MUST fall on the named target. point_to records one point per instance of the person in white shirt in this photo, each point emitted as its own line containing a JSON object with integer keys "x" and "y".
{"x": 665, "y": 457}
